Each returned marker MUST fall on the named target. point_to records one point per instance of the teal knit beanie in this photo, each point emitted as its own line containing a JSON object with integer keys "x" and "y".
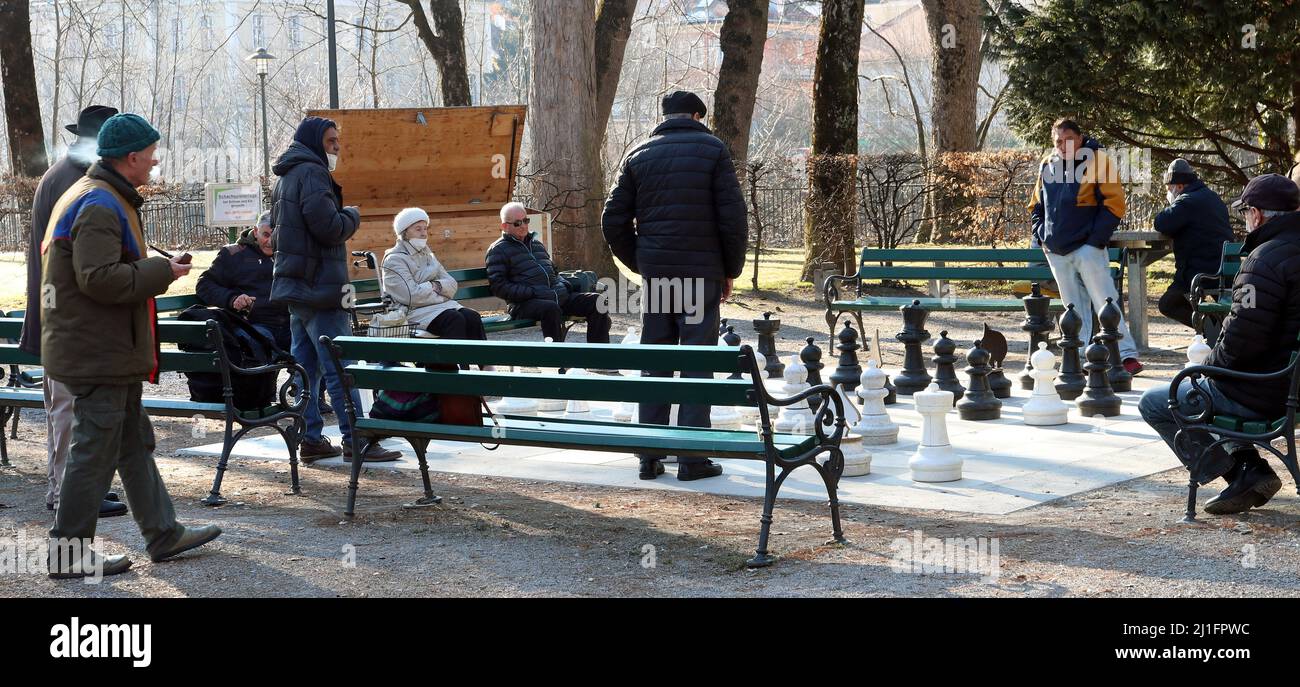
{"x": 125, "y": 133}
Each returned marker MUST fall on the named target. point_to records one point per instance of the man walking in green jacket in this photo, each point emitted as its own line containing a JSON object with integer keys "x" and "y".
{"x": 99, "y": 338}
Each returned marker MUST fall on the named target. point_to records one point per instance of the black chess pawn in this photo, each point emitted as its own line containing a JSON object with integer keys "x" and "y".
{"x": 892, "y": 397}
{"x": 1038, "y": 322}
{"x": 996, "y": 345}
{"x": 811, "y": 357}
{"x": 732, "y": 339}
{"x": 848, "y": 373}
{"x": 1098, "y": 398}
{"x": 914, "y": 376}
{"x": 979, "y": 403}
{"x": 944, "y": 373}
{"x": 1110, "y": 316}
{"x": 766, "y": 329}
{"x": 1071, "y": 381}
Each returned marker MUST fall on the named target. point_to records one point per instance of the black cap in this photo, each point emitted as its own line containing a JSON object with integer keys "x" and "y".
{"x": 1270, "y": 192}
{"x": 684, "y": 101}
{"x": 90, "y": 119}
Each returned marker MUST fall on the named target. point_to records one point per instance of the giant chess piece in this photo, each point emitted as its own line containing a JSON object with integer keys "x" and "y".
{"x": 875, "y": 426}
{"x": 1110, "y": 316}
{"x": 1098, "y": 398}
{"x": 766, "y": 329}
{"x": 1044, "y": 407}
{"x": 551, "y": 405}
{"x": 944, "y": 373}
{"x": 1197, "y": 352}
{"x": 914, "y": 376}
{"x": 996, "y": 345}
{"x": 577, "y": 409}
{"x": 857, "y": 459}
{"x": 1071, "y": 381}
{"x": 728, "y": 417}
{"x": 934, "y": 459}
{"x": 979, "y": 403}
{"x": 626, "y": 410}
{"x": 513, "y": 405}
{"x": 722, "y": 327}
{"x": 796, "y": 418}
{"x": 848, "y": 371}
{"x": 1038, "y": 322}
{"x": 892, "y": 397}
{"x": 811, "y": 357}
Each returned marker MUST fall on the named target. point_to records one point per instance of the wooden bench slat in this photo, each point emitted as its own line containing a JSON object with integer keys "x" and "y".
{"x": 1005, "y": 273}
{"x": 963, "y": 255}
{"x": 538, "y": 354}
{"x": 886, "y": 303}
{"x": 587, "y": 387}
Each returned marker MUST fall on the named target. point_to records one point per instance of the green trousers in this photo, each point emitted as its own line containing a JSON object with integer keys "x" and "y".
{"x": 111, "y": 433}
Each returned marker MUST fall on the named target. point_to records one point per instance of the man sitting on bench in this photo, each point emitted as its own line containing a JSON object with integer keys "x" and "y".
{"x": 521, "y": 273}
{"x": 1258, "y": 336}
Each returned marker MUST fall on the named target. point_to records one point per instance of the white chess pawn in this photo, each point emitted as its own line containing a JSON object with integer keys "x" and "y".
{"x": 575, "y": 408}
{"x": 857, "y": 459}
{"x": 934, "y": 459}
{"x": 796, "y": 418}
{"x": 724, "y": 417}
{"x": 512, "y": 405}
{"x": 874, "y": 424}
{"x": 1044, "y": 406}
{"x": 1198, "y": 351}
{"x": 551, "y": 405}
{"x": 626, "y": 410}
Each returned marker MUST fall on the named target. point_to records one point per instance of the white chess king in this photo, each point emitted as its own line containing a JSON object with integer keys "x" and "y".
{"x": 1045, "y": 406}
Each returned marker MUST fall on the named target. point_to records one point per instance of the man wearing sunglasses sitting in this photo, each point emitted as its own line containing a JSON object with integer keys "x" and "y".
{"x": 521, "y": 273}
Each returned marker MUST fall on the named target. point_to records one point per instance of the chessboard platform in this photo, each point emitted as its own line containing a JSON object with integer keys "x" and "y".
{"x": 1008, "y": 466}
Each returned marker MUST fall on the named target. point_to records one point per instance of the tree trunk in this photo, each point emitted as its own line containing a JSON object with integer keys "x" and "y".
{"x": 743, "y": 35}
{"x": 22, "y": 107}
{"x": 446, "y": 45}
{"x": 955, "y": 37}
{"x": 831, "y": 219}
{"x": 613, "y": 26}
{"x": 562, "y": 126}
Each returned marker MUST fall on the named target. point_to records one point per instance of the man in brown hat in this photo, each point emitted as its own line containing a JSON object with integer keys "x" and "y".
{"x": 58, "y": 402}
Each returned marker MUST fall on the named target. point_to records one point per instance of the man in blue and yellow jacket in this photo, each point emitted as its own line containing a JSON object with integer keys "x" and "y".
{"x": 1077, "y": 204}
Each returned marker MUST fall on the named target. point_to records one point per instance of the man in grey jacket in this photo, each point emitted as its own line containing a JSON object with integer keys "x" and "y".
{"x": 58, "y": 402}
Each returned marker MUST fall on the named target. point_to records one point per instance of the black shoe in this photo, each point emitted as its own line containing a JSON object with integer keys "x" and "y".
{"x": 651, "y": 468}
{"x": 693, "y": 471}
{"x": 191, "y": 538}
{"x": 1252, "y": 488}
{"x": 111, "y": 509}
{"x": 373, "y": 454}
{"x": 311, "y": 451}
{"x": 111, "y": 496}
{"x": 99, "y": 566}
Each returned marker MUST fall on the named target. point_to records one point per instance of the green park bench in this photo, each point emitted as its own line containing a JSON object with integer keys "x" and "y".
{"x": 1218, "y": 287}
{"x": 1231, "y": 427}
{"x": 14, "y": 397}
{"x": 783, "y": 452}
{"x": 1013, "y": 264}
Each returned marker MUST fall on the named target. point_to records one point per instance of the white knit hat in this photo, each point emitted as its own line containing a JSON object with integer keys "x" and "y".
{"x": 406, "y": 218}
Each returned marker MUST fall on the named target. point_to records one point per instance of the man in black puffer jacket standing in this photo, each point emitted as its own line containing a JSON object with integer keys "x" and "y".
{"x": 1259, "y": 336}
{"x": 676, "y": 217}
{"x": 312, "y": 228}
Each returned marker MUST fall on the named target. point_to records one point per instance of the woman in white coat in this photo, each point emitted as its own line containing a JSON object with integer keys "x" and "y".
{"x": 415, "y": 279}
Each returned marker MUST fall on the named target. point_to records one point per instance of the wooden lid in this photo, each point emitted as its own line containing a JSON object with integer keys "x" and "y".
{"x": 427, "y": 157}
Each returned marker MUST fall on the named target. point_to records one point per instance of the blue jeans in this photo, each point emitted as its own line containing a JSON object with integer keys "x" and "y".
{"x": 307, "y": 325}
{"x": 1154, "y": 407}
{"x": 1083, "y": 278}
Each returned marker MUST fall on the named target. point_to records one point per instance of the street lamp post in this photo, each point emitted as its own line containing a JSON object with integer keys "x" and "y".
{"x": 262, "y": 59}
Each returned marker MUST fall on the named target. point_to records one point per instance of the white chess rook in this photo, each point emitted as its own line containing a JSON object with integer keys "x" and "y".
{"x": 1045, "y": 406}
{"x": 796, "y": 418}
{"x": 874, "y": 424}
{"x": 934, "y": 459}
{"x": 1197, "y": 352}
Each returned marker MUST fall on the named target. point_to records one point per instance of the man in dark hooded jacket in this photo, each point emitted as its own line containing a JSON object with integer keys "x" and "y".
{"x": 1197, "y": 221}
{"x": 312, "y": 227}
{"x": 676, "y": 217}
{"x": 1259, "y": 336}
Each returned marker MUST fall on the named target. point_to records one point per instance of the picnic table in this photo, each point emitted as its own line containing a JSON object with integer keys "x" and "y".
{"x": 1141, "y": 248}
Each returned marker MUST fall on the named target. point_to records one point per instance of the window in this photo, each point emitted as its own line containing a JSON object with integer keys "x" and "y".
{"x": 259, "y": 31}
{"x": 295, "y": 33}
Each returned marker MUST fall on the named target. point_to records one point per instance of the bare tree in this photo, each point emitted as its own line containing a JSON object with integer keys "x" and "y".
{"x": 743, "y": 37}
{"x": 613, "y": 25}
{"x": 827, "y": 239}
{"x": 445, "y": 40}
{"x": 22, "y": 107}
